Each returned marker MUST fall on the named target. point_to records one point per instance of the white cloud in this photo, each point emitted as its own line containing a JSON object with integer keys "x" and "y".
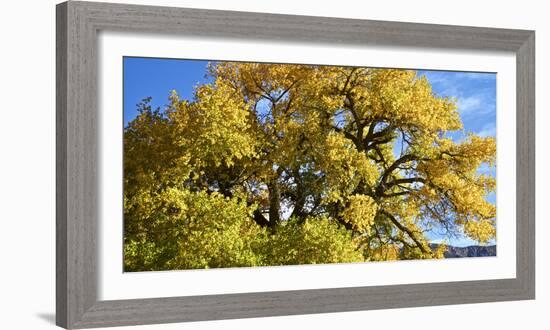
{"x": 469, "y": 104}
{"x": 479, "y": 104}
{"x": 488, "y": 130}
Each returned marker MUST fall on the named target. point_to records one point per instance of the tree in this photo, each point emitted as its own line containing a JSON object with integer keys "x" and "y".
{"x": 289, "y": 164}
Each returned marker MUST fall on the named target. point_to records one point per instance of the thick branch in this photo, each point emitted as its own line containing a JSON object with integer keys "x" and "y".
{"x": 404, "y": 159}
{"x": 260, "y": 219}
{"x": 383, "y": 185}
{"x": 300, "y": 196}
{"x": 350, "y": 136}
{"x": 401, "y": 193}
{"x": 405, "y": 229}
{"x": 368, "y": 145}
{"x": 382, "y": 136}
{"x": 404, "y": 180}
{"x": 274, "y": 203}
{"x": 350, "y": 105}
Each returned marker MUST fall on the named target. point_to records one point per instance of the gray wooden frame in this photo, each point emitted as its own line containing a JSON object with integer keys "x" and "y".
{"x": 77, "y": 150}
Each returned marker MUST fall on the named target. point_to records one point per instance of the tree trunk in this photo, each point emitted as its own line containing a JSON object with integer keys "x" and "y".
{"x": 274, "y": 203}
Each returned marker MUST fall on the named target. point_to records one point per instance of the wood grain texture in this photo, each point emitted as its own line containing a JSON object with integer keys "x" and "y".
{"x": 525, "y": 165}
{"x": 77, "y": 157}
{"x": 61, "y": 166}
{"x": 77, "y": 190}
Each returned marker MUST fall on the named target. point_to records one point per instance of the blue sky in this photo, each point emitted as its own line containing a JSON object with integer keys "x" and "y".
{"x": 475, "y": 94}
{"x": 156, "y": 77}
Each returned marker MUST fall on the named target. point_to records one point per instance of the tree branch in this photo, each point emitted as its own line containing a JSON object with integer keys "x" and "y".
{"x": 405, "y": 229}
{"x": 404, "y": 159}
{"x": 260, "y": 219}
{"x": 404, "y": 180}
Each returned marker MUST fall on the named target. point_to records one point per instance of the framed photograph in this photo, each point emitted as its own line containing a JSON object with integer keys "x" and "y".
{"x": 218, "y": 165}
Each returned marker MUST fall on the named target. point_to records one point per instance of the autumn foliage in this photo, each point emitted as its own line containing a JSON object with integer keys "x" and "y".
{"x": 297, "y": 164}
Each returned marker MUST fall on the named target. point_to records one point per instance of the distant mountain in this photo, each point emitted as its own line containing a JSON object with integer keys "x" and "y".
{"x": 469, "y": 251}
